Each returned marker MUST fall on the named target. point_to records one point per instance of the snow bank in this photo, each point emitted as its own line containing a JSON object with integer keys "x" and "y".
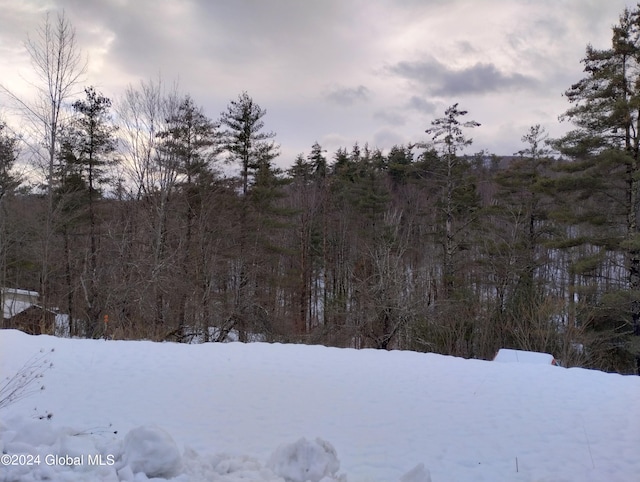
{"x": 33, "y": 450}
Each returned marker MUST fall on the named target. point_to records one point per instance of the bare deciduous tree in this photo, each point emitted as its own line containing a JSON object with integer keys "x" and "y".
{"x": 58, "y": 66}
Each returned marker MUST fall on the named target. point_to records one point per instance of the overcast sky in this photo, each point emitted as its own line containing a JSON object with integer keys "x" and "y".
{"x": 337, "y": 71}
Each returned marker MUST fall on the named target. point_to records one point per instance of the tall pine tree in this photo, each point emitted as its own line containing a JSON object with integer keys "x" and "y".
{"x": 191, "y": 142}
{"x": 605, "y": 146}
{"x": 87, "y": 153}
{"x": 245, "y": 142}
{"x": 449, "y": 138}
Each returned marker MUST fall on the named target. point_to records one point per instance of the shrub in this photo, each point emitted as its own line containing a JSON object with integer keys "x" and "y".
{"x": 27, "y": 380}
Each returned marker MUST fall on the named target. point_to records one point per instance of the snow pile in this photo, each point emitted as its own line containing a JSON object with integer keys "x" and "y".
{"x": 506, "y": 355}
{"x": 32, "y": 450}
{"x": 152, "y": 451}
{"x": 306, "y": 461}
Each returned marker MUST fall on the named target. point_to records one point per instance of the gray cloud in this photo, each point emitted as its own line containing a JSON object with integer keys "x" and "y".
{"x": 390, "y": 117}
{"x": 252, "y": 45}
{"x": 299, "y": 60}
{"x": 421, "y": 105}
{"x": 348, "y": 95}
{"x": 481, "y": 78}
{"x": 387, "y": 138}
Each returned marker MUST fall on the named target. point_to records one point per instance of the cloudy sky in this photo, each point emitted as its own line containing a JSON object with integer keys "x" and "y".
{"x": 337, "y": 71}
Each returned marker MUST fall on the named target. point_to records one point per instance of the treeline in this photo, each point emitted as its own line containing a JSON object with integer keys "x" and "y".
{"x": 421, "y": 247}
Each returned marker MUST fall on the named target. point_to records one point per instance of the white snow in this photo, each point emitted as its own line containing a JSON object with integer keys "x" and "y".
{"x": 418, "y": 474}
{"x": 305, "y": 461}
{"x": 506, "y": 355}
{"x": 152, "y": 451}
{"x": 137, "y": 411}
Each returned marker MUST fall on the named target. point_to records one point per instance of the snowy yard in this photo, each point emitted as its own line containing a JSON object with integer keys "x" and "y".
{"x": 231, "y": 412}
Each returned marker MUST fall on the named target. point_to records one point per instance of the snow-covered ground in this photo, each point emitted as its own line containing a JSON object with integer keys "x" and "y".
{"x": 268, "y": 412}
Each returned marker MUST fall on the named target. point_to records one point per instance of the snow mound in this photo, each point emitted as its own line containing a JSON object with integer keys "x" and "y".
{"x": 34, "y": 450}
{"x": 305, "y": 461}
{"x": 152, "y": 451}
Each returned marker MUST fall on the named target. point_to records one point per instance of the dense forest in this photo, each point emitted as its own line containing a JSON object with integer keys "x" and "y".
{"x": 152, "y": 220}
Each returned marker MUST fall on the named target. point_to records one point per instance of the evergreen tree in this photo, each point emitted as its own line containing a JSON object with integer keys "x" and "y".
{"x": 243, "y": 137}
{"x": 515, "y": 253}
{"x": 8, "y": 156}
{"x": 70, "y": 198}
{"x": 307, "y": 197}
{"x": 318, "y": 161}
{"x": 245, "y": 142}
{"x": 90, "y": 140}
{"x": 87, "y": 153}
{"x": 8, "y": 182}
{"x": 457, "y": 192}
{"x": 190, "y": 142}
{"x": 399, "y": 164}
{"x": 302, "y": 171}
{"x": 605, "y": 146}
{"x": 449, "y": 184}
